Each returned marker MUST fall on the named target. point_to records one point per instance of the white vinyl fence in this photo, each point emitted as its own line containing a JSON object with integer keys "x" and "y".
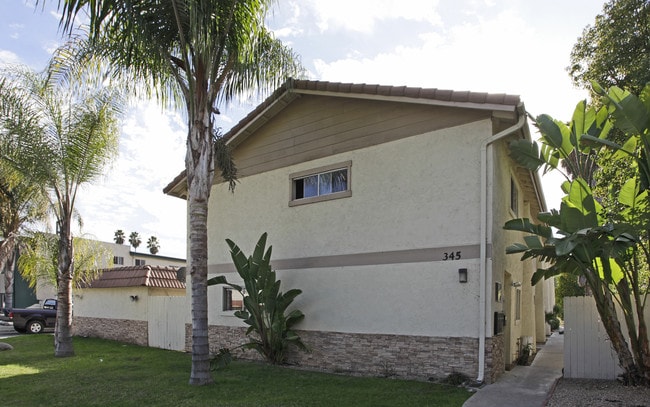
{"x": 587, "y": 350}
{"x": 588, "y": 353}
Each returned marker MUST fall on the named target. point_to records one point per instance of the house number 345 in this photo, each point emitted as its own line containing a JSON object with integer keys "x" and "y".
{"x": 451, "y": 255}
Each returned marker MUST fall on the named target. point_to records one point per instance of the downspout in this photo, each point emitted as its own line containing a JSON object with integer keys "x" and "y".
{"x": 483, "y": 294}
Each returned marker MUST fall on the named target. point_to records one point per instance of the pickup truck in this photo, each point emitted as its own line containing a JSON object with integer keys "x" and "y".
{"x": 34, "y": 320}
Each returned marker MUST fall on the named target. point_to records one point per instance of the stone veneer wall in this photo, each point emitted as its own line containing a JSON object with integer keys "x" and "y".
{"x": 123, "y": 330}
{"x": 494, "y": 358}
{"x": 413, "y": 357}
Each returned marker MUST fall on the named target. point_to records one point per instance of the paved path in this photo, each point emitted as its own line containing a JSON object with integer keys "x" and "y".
{"x": 525, "y": 386}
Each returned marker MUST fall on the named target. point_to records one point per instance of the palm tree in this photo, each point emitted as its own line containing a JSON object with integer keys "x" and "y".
{"x": 134, "y": 239}
{"x": 76, "y": 136}
{"x": 119, "y": 236}
{"x": 198, "y": 53}
{"x": 21, "y": 199}
{"x": 38, "y": 260}
{"x": 153, "y": 245}
{"x": 21, "y": 203}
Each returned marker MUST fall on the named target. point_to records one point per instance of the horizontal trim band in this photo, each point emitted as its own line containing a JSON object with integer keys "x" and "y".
{"x": 426, "y": 255}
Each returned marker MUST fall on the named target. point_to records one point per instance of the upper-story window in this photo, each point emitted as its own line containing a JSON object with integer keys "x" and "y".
{"x": 320, "y": 184}
{"x": 140, "y": 262}
{"x": 514, "y": 197}
{"x": 118, "y": 260}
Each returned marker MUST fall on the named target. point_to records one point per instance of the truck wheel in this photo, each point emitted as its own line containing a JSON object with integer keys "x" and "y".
{"x": 35, "y": 327}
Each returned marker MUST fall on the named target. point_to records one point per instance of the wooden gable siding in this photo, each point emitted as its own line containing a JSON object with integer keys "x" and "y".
{"x": 313, "y": 127}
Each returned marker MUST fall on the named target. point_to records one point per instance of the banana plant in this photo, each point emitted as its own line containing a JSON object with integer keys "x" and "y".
{"x": 611, "y": 251}
{"x": 270, "y": 327}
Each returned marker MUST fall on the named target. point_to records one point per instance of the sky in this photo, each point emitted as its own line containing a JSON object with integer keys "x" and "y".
{"x": 518, "y": 47}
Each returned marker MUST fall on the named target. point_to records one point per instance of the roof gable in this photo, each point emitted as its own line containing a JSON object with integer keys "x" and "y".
{"x": 500, "y": 104}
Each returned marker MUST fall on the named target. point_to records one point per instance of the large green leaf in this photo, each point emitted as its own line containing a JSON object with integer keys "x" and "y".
{"x": 579, "y": 209}
{"x": 526, "y": 153}
{"x": 555, "y": 134}
{"x": 516, "y": 248}
{"x": 533, "y": 242}
{"x": 630, "y": 114}
{"x": 551, "y": 218}
{"x": 628, "y": 193}
{"x": 525, "y": 225}
{"x": 609, "y": 270}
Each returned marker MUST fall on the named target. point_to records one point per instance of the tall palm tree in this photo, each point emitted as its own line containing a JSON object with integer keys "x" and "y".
{"x": 76, "y": 136}
{"x": 198, "y": 53}
{"x": 134, "y": 239}
{"x": 22, "y": 203}
{"x": 21, "y": 200}
{"x": 119, "y": 236}
{"x": 153, "y": 245}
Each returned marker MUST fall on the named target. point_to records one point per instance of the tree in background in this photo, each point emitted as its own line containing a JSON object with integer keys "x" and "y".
{"x": 615, "y": 51}
{"x": 153, "y": 245}
{"x": 76, "y": 137}
{"x": 198, "y": 54}
{"x": 606, "y": 242}
{"x": 38, "y": 260}
{"x": 134, "y": 240}
{"x": 119, "y": 236}
{"x": 22, "y": 203}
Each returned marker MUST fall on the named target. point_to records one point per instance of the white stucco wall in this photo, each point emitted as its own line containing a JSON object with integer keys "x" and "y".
{"x": 113, "y": 303}
{"x": 418, "y": 192}
{"x": 422, "y": 191}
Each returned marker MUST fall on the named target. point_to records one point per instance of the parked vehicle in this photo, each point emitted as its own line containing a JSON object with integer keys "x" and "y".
{"x": 34, "y": 320}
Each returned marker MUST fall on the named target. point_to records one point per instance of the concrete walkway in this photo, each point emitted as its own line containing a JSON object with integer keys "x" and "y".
{"x": 525, "y": 386}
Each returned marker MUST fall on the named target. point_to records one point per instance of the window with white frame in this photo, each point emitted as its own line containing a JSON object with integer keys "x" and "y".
{"x": 140, "y": 262}
{"x": 320, "y": 184}
{"x": 118, "y": 260}
{"x": 232, "y": 300}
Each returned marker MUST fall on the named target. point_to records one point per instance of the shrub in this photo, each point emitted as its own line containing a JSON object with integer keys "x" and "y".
{"x": 265, "y": 306}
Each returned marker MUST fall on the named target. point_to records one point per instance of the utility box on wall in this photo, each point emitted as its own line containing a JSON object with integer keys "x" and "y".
{"x": 499, "y": 322}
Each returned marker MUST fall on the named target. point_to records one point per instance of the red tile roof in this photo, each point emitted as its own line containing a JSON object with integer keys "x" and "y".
{"x": 137, "y": 276}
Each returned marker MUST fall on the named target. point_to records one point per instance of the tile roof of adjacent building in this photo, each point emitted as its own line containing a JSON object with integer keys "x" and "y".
{"x": 138, "y": 276}
{"x": 288, "y": 91}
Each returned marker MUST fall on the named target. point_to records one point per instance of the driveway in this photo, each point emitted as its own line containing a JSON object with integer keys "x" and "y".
{"x": 7, "y": 330}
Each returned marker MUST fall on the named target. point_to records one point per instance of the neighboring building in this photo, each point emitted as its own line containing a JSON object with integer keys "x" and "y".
{"x": 386, "y": 206}
{"x": 124, "y": 256}
{"x": 119, "y": 255}
{"x": 134, "y": 304}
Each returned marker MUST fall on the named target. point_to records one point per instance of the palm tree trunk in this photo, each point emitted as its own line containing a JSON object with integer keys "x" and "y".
{"x": 199, "y": 165}
{"x": 8, "y": 264}
{"x": 63, "y": 331}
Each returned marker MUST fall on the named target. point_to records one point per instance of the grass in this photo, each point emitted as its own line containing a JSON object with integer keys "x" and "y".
{"x": 107, "y": 373}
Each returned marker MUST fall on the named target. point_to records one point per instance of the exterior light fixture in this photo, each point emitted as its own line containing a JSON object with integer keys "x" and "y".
{"x": 462, "y": 275}
{"x": 134, "y": 298}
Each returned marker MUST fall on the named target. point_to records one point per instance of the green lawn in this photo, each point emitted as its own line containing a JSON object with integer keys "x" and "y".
{"x": 107, "y": 373}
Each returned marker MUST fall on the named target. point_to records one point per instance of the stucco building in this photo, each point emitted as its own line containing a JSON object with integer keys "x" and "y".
{"x": 385, "y": 205}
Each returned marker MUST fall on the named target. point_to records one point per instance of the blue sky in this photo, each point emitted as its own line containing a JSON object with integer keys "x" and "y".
{"x": 517, "y": 47}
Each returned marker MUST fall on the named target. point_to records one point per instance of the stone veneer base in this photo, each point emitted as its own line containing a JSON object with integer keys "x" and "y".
{"x": 404, "y": 356}
{"x": 123, "y": 330}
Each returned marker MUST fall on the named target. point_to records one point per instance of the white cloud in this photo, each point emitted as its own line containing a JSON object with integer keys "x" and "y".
{"x": 130, "y": 197}
{"x": 8, "y": 58}
{"x": 361, "y": 15}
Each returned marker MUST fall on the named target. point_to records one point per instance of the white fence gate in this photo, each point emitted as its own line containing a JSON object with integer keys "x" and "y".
{"x": 588, "y": 353}
{"x": 167, "y": 317}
